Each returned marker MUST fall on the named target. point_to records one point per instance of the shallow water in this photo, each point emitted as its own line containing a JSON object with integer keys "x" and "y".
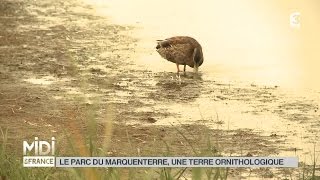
{"x": 246, "y": 40}
{"x": 250, "y": 51}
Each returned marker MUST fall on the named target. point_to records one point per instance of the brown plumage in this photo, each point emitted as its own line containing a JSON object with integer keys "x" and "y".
{"x": 182, "y": 50}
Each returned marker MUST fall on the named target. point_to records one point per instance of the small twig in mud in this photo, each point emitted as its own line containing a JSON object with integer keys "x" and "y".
{"x": 143, "y": 141}
{"x": 12, "y": 99}
{"x": 137, "y": 135}
{"x": 8, "y": 105}
{"x": 53, "y": 116}
{"x": 31, "y": 124}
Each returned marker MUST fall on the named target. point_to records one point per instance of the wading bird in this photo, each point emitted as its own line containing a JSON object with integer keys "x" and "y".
{"x": 182, "y": 50}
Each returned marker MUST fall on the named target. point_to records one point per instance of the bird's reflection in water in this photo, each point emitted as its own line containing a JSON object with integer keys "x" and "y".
{"x": 170, "y": 87}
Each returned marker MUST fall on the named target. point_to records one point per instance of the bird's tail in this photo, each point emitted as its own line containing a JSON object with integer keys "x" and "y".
{"x": 195, "y": 60}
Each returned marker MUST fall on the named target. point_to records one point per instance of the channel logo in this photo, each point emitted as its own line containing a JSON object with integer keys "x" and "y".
{"x": 295, "y": 20}
{"x": 43, "y": 153}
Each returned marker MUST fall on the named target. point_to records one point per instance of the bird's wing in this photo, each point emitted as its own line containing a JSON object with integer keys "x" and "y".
{"x": 176, "y": 43}
{"x": 175, "y": 52}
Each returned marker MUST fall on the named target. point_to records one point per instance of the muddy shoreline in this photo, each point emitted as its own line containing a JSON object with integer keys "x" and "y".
{"x": 66, "y": 72}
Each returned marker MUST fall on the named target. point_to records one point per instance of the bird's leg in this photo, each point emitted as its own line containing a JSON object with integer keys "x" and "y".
{"x": 195, "y": 68}
{"x": 178, "y": 70}
{"x": 184, "y": 69}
